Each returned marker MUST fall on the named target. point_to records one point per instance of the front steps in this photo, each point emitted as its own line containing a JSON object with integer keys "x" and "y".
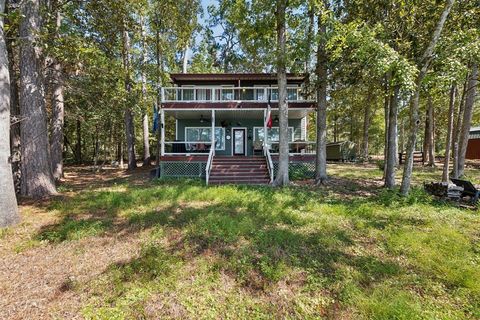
{"x": 239, "y": 170}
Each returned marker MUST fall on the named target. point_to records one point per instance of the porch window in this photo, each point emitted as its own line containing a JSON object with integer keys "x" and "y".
{"x": 187, "y": 93}
{"x": 273, "y": 134}
{"x": 227, "y": 93}
{"x": 203, "y": 134}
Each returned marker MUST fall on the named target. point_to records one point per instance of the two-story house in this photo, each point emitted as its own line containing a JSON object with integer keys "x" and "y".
{"x": 238, "y": 115}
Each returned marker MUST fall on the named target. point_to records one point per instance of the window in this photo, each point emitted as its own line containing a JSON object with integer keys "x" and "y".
{"x": 273, "y": 134}
{"x": 187, "y": 93}
{"x": 203, "y": 134}
{"x": 227, "y": 93}
{"x": 292, "y": 93}
{"x": 274, "y": 94}
{"x": 260, "y": 93}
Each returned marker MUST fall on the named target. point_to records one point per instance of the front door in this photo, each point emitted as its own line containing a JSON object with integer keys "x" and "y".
{"x": 239, "y": 142}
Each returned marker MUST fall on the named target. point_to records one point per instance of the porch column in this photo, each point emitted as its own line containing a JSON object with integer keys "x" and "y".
{"x": 213, "y": 131}
{"x": 162, "y": 131}
{"x": 264, "y": 131}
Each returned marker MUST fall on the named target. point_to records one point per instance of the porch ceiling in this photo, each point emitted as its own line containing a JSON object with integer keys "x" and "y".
{"x": 234, "y": 114}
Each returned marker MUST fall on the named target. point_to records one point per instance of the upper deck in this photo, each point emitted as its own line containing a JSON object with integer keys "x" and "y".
{"x": 245, "y": 90}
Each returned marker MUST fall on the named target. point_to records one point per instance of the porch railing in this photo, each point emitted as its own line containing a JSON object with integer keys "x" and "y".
{"x": 296, "y": 148}
{"x": 187, "y": 147}
{"x": 208, "y": 168}
{"x": 268, "y": 157}
{"x": 225, "y": 94}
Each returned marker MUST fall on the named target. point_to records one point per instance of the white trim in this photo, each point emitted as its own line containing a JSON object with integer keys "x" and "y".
{"x": 245, "y": 130}
{"x": 209, "y": 127}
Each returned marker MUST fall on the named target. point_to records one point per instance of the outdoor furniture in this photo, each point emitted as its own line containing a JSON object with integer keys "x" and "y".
{"x": 258, "y": 147}
{"x": 469, "y": 190}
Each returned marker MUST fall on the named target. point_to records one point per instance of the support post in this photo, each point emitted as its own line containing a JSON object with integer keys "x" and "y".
{"x": 264, "y": 131}
{"x": 213, "y": 131}
{"x": 162, "y": 130}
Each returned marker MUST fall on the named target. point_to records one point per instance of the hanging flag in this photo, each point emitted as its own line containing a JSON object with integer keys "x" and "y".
{"x": 155, "y": 118}
{"x": 268, "y": 120}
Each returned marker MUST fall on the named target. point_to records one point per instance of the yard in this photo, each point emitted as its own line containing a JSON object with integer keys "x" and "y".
{"x": 117, "y": 246}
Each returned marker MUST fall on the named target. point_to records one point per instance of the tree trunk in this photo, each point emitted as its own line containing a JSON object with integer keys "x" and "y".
{"x": 37, "y": 178}
{"x": 321, "y": 70}
{"x": 146, "y": 131}
{"x": 366, "y": 126}
{"x": 392, "y": 137}
{"x": 426, "y": 141}
{"x": 129, "y": 124}
{"x": 282, "y": 178}
{"x": 78, "y": 144}
{"x": 58, "y": 114}
{"x": 185, "y": 59}
{"x": 467, "y": 118}
{"x": 448, "y": 144}
{"x": 457, "y": 129}
{"x": 15, "y": 148}
{"x": 423, "y": 64}
{"x": 8, "y": 211}
{"x": 431, "y": 132}
{"x": 386, "y": 110}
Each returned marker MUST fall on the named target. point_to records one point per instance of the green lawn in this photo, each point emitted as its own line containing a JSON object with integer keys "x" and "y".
{"x": 347, "y": 251}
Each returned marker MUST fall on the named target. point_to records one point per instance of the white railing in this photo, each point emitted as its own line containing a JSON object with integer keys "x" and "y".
{"x": 296, "y": 147}
{"x": 208, "y": 169}
{"x": 187, "y": 147}
{"x": 224, "y": 94}
{"x": 268, "y": 157}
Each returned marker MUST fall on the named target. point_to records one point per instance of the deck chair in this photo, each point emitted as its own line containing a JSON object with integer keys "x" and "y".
{"x": 468, "y": 189}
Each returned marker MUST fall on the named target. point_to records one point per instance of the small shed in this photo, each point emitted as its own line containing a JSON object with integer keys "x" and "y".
{"x": 341, "y": 151}
{"x": 473, "y": 147}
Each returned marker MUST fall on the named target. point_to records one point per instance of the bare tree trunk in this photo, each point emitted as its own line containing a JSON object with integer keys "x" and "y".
{"x": 431, "y": 132}
{"x": 78, "y": 144}
{"x": 386, "y": 110}
{"x": 425, "y": 137}
{"x": 146, "y": 142}
{"x": 185, "y": 59}
{"x": 392, "y": 136}
{"x": 467, "y": 118}
{"x": 321, "y": 70}
{"x": 129, "y": 124}
{"x": 159, "y": 102}
{"x": 456, "y": 131}
{"x": 37, "y": 178}
{"x": 15, "y": 138}
{"x": 310, "y": 36}
{"x": 8, "y": 210}
{"x": 58, "y": 113}
{"x": 282, "y": 178}
{"x": 366, "y": 126}
{"x": 424, "y": 63}
{"x": 448, "y": 144}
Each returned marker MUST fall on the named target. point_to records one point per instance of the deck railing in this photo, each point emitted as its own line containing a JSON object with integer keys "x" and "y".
{"x": 187, "y": 147}
{"x": 208, "y": 168}
{"x": 268, "y": 158}
{"x": 225, "y": 94}
{"x": 296, "y": 148}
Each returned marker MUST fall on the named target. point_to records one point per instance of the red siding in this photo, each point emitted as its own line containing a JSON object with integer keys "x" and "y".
{"x": 473, "y": 149}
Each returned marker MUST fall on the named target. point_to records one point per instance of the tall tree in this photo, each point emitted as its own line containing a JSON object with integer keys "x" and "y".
{"x": 467, "y": 118}
{"x": 129, "y": 121}
{"x": 145, "y": 126}
{"x": 423, "y": 65}
{"x": 8, "y": 210}
{"x": 282, "y": 177}
{"x": 321, "y": 95}
{"x": 37, "y": 178}
{"x": 448, "y": 144}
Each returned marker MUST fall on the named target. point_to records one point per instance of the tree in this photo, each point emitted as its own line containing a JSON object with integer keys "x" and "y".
{"x": 321, "y": 90}
{"x": 282, "y": 177}
{"x": 448, "y": 143}
{"x": 37, "y": 178}
{"x": 8, "y": 210}
{"x": 423, "y": 65}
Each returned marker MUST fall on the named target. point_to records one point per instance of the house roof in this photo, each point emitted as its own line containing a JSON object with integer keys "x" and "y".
{"x": 208, "y": 77}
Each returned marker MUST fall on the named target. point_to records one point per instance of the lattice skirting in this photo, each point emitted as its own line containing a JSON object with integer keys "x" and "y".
{"x": 180, "y": 169}
{"x": 298, "y": 170}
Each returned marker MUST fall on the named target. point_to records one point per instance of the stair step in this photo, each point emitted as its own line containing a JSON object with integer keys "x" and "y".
{"x": 239, "y": 166}
{"x": 250, "y": 182}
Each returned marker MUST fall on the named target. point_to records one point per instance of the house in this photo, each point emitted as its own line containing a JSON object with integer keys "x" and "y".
{"x": 229, "y": 112}
{"x": 473, "y": 147}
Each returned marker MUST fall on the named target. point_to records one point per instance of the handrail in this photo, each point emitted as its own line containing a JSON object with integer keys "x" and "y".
{"x": 269, "y": 161}
{"x": 208, "y": 169}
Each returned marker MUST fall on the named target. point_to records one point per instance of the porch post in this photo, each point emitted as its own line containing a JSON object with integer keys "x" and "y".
{"x": 162, "y": 131}
{"x": 264, "y": 130}
{"x": 213, "y": 131}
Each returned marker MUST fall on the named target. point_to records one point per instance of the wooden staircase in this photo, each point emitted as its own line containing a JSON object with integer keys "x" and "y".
{"x": 239, "y": 170}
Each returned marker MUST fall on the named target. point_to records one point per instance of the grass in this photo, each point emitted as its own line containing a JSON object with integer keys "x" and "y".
{"x": 264, "y": 253}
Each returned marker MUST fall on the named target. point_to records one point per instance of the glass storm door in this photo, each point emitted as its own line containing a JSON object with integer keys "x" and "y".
{"x": 239, "y": 142}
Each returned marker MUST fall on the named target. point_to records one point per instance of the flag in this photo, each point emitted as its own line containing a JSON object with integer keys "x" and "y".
{"x": 155, "y": 118}
{"x": 268, "y": 119}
